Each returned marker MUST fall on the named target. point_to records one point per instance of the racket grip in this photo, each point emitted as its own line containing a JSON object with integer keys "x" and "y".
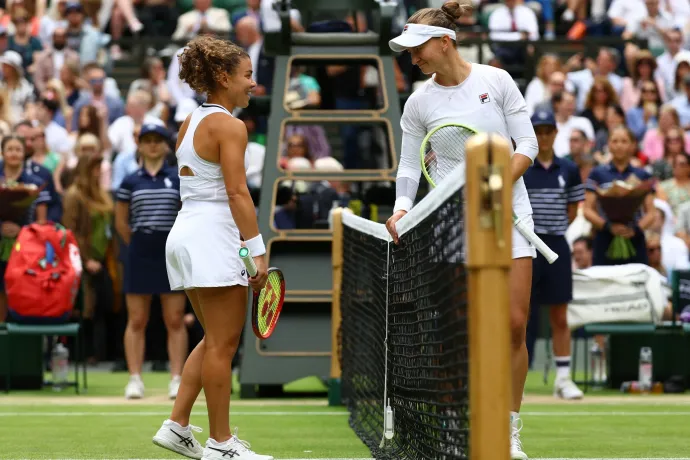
{"x": 248, "y": 260}
{"x": 532, "y": 237}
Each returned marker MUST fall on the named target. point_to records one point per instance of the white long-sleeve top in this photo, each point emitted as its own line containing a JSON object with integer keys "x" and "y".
{"x": 487, "y": 101}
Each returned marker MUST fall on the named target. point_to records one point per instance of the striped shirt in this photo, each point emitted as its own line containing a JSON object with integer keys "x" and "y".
{"x": 550, "y": 192}
{"x": 153, "y": 200}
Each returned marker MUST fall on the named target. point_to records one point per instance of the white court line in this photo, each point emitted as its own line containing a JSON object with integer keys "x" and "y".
{"x": 333, "y": 414}
{"x": 158, "y": 413}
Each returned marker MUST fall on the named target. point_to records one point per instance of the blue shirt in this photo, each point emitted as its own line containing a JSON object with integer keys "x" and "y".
{"x": 603, "y": 177}
{"x": 550, "y": 192}
{"x": 124, "y": 165}
{"x": 26, "y": 177}
{"x": 153, "y": 200}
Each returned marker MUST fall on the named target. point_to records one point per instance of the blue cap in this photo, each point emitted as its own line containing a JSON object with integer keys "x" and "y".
{"x": 154, "y": 128}
{"x": 73, "y": 6}
{"x": 543, "y": 118}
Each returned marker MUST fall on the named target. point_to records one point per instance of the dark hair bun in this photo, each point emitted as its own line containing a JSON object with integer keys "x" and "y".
{"x": 455, "y": 10}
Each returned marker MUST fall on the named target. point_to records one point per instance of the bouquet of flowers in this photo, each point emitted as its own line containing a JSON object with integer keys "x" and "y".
{"x": 15, "y": 200}
{"x": 620, "y": 202}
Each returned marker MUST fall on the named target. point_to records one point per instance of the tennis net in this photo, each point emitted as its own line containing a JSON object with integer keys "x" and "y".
{"x": 403, "y": 335}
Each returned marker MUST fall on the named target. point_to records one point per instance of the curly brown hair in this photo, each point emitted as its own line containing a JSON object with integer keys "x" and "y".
{"x": 205, "y": 58}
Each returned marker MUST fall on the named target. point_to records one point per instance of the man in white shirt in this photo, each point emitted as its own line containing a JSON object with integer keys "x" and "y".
{"x": 203, "y": 16}
{"x": 121, "y": 131}
{"x": 652, "y": 27}
{"x": 248, "y": 36}
{"x": 606, "y": 64}
{"x": 623, "y": 12}
{"x": 566, "y": 121}
{"x": 56, "y": 137}
{"x": 270, "y": 19}
{"x": 666, "y": 63}
{"x": 512, "y": 22}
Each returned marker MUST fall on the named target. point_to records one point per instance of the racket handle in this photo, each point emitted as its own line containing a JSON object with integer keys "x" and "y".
{"x": 537, "y": 242}
{"x": 248, "y": 260}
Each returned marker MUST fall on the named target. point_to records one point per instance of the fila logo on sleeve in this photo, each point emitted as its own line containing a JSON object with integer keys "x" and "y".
{"x": 484, "y": 98}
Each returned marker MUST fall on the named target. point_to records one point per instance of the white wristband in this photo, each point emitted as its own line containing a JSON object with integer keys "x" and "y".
{"x": 256, "y": 246}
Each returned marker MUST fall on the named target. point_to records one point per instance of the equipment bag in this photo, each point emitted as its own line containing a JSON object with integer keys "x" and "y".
{"x": 43, "y": 274}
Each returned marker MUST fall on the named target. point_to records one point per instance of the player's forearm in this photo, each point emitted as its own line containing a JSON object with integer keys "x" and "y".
{"x": 244, "y": 213}
{"x": 519, "y": 164}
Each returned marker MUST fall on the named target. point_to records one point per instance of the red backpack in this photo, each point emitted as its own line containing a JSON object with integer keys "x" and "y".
{"x": 43, "y": 274}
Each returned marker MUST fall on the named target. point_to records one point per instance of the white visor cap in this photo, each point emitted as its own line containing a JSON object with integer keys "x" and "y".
{"x": 418, "y": 34}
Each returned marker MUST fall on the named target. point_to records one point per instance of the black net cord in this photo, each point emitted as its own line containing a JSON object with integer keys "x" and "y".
{"x": 427, "y": 359}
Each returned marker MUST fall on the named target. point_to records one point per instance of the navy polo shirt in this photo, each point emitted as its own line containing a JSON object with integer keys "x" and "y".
{"x": 153, "y": 200}
{"x": 550, "y": 192}
{"x": 43, "y": 197}
{"x": 603, "y": 177}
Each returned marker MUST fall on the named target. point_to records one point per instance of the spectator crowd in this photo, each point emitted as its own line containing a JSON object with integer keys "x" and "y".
{"x": 97, "y": 143}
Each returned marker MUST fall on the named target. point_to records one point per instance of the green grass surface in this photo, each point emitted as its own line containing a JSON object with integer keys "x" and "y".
{"x": 61, "y": 425}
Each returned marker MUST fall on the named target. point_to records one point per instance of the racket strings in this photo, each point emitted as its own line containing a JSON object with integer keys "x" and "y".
{"x": 269, "y": 300}
{"x": 445, "y": 150}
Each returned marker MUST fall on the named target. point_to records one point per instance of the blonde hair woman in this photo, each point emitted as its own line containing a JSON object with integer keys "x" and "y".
{"x": 87, "y": 145}
{"x": 88, "y": 212}
{"x": 6, "y": 120}
{"x": 537, "y": 91}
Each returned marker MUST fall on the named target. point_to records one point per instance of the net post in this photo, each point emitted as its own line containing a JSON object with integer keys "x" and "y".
{"x": 488, "y": 220}
{"x": 334, "y": 394}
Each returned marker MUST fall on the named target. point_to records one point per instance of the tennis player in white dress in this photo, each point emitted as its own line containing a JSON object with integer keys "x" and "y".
{"x": 202, "y": 248}
{"x": 486, "y": 99}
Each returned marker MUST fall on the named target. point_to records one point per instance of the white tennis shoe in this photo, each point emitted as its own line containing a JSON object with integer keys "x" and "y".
{"x": 565, "y": 388}
{"x": 516, "y": 452}
{"x": 234, "y": 448}
{"x": 134, "y": 388}
{"x": 174, "y": 387}
{"x": 179, "y": 439}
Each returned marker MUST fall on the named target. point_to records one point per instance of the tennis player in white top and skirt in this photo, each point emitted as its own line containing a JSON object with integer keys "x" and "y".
{"x": 486, "y": 99}
{"x": 202, "y": 250}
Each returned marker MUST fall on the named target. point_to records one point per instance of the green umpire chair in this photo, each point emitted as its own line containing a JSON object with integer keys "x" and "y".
{"x": 14, "y": 331}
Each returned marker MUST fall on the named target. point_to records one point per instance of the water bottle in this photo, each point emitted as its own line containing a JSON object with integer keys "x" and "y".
{"x": 645, "y": 377}
{"x": 596, "y": 358}
{"x": 59, "y": 365}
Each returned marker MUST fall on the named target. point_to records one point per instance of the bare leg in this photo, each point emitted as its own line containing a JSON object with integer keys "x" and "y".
{"x": 178, "y": 340}
{"x": 190, "y": 386}
{"x": 520, "y": 289}
{"x": 138, "y": 309}
{"x": 224, "y": 311}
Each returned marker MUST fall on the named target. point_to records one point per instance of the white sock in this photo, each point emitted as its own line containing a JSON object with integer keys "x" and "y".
{"x": 562, "y": 367}
{"x": 514, "y": 416}
{"x": 176, "y": 425}
{"x": 135, "y": 377}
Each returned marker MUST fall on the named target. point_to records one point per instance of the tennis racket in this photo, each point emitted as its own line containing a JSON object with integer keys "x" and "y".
{"x": 443, "y": 149}
{"x": 268, "y": 302}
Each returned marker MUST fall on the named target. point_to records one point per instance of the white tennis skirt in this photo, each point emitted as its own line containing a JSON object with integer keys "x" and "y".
{"x": 203, "y": 246}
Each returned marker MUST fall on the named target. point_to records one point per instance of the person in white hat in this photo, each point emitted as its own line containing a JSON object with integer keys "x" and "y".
{"x": 20, "y": 91}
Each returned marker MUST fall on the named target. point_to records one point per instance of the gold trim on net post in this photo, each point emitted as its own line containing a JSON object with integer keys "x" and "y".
{"x": 488, "y": 195}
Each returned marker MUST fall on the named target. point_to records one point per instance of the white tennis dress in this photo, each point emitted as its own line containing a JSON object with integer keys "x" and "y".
{"x": 202, "y": 249}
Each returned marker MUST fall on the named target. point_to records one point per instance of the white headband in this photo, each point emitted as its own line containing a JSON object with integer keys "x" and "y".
{"x": 418, "y": 34}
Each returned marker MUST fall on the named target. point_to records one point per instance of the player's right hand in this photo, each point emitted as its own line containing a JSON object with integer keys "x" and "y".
{"x": 258, "y": 281}
{"x": 390, "y": 224}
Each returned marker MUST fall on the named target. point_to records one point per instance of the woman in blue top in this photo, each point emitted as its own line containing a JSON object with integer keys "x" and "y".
{"x": 12, "y": 169}
{"x": 147, "y": 205}
{"x": 621, "y": 145}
